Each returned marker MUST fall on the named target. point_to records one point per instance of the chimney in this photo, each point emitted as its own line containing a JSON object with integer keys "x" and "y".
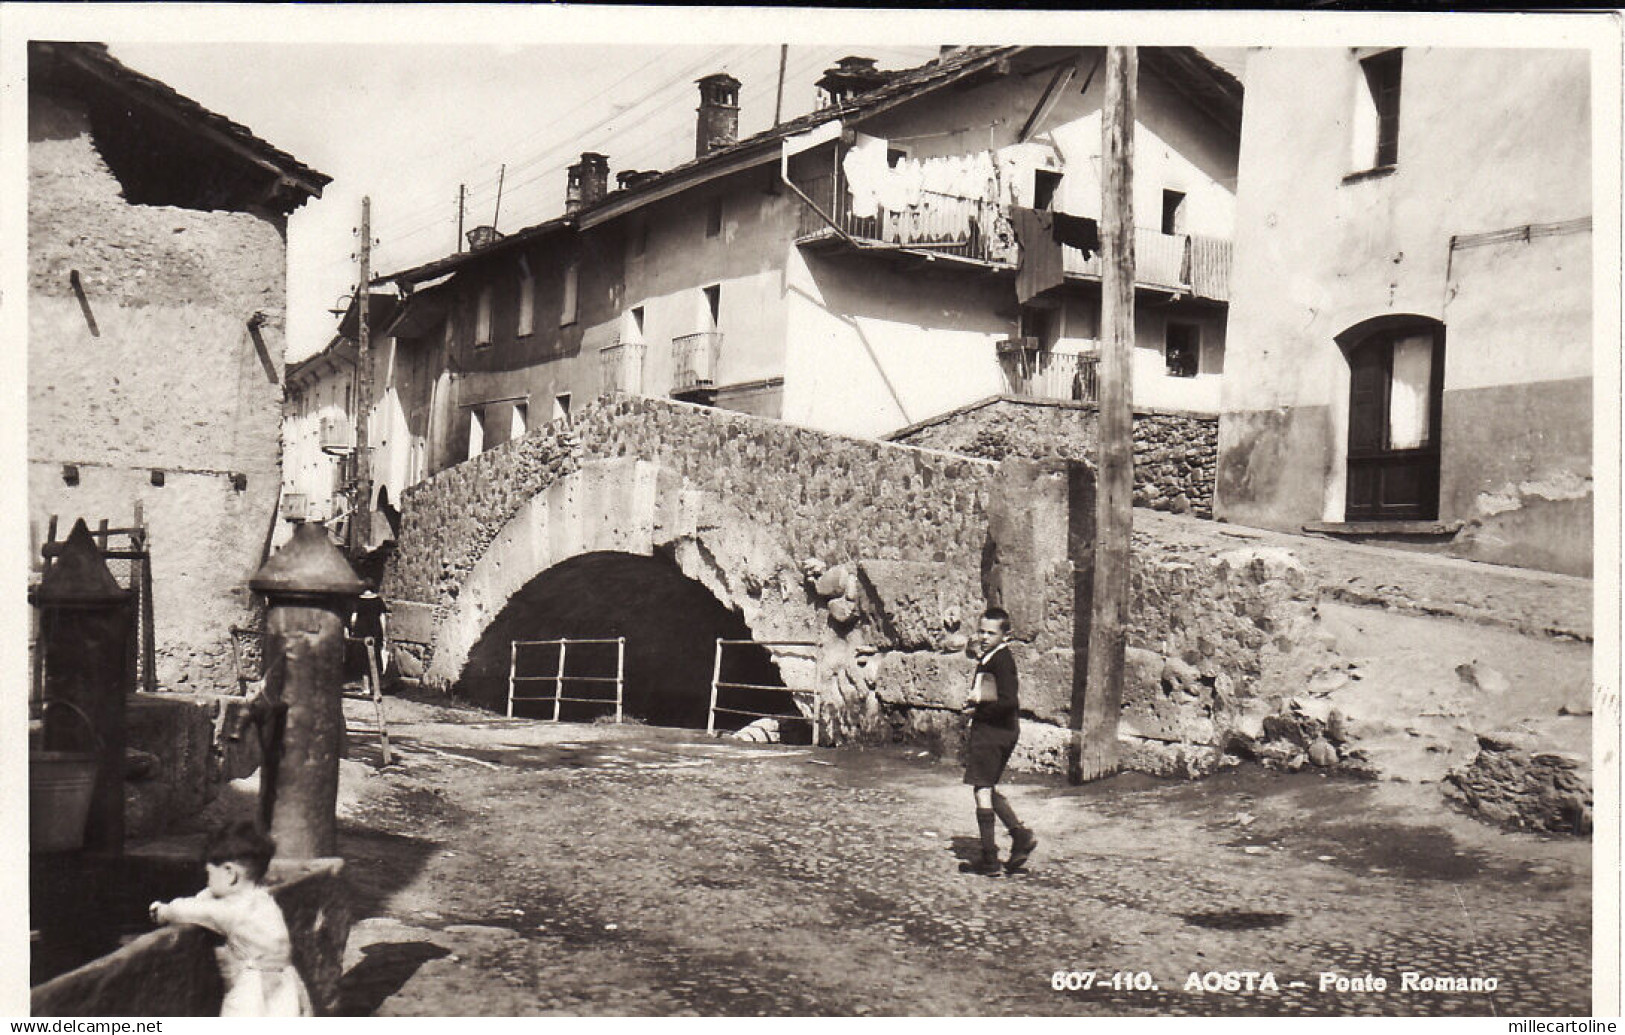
{"x": 586, "y": 182}
{"x": 626, "y": 179}
{"x": 719, "y": 114}
{"x": 850, "y": 77}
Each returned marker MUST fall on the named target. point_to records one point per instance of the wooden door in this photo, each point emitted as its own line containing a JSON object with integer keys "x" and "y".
{"x": 1395, "y": 387}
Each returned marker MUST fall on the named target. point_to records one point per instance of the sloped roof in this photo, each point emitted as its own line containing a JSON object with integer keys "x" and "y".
{"x": 447, "y": 264}
{"x": 1211, "y": 89}
{"x": 906, "y": 86}
{"x": 92, "y": 61}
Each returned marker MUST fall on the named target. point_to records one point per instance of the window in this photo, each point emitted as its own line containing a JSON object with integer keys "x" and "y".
{"x": 713, "y": 218}
{"x": 636, "y": 330}
{"x": 1173, "y": 212}
{"x": 1376, "y": 114}
{"x": 527, "y": 302}
{"x": 895, "y": 156}
{"x": 572, "y": 283}
{"x": 1182, "y": 349}
{"x": 521, "y": 419}
{"x": 1044, "y": 185}
{"x": 476, "y": 433}
{"x": 713, "y": 308}
{"x": 482, "y": 318}
{"x": 561, "y": 406}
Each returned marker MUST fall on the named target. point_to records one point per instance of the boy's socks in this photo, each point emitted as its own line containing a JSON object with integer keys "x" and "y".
{"x": 984, "y": 823}
{"x": 1006, "y": 814}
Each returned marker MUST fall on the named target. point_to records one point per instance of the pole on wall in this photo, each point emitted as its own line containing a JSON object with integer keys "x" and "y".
{"x": 361, "y": 504}
{"x": 1094, "y": 747}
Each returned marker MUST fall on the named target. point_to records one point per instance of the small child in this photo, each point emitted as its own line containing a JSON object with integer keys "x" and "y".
{"x": 257, "y": 960}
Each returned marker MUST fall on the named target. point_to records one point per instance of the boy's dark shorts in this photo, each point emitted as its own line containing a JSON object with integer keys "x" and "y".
{"x": 986, "y": 755}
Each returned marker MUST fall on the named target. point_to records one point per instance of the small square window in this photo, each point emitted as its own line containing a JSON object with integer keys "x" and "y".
{"x": 1044, "y": 187}
{"x": 1182, "y": 350}
{"x": 1173, "y": 212}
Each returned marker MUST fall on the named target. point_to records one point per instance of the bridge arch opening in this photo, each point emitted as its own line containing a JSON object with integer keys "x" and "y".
{"x": 671, "y": 623}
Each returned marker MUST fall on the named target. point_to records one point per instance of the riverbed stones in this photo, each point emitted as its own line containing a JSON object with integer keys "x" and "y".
{"x": 1514, "y": 784}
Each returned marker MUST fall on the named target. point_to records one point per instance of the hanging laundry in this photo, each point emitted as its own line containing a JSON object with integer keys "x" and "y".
{"x": 866, "y": 174}
{"x": 1077, "y": 232}
{"x": 1041, "y": 266}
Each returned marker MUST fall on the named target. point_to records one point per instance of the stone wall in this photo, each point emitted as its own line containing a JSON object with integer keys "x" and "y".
{"x": 898, "y": 548}
{"x": 826, "y": 496}
{"x": 172, "y": 972}
{"x": 1175, "y": 454}
{"x": 172, "y": 379}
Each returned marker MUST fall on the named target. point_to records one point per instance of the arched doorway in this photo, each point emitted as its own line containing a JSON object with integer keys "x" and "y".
{"x": 671, "y": 624}
{"x": 1396, "y": 384}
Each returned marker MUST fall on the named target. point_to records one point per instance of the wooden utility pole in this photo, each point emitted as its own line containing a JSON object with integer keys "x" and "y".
{"x": 460, "y": 195}
{"x": 361, "y": 504}
{"x": 1094, "y": 746}
{"x": 778, "y": 100}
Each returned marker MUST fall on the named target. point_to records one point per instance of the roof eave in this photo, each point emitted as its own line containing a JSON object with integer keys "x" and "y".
{"x": 150, "y": 94}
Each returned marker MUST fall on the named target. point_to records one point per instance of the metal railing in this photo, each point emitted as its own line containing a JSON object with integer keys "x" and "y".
{"x": 1042, "y": 374}
{"x": 620, "y": 367}
{"x": 560, "y": 677}
{"x": 797, "y": 693}
{"x": 694, "y": 360}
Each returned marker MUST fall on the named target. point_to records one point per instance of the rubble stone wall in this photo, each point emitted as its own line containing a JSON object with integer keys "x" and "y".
{"x": 897, "y": 546}
{"x": 172, "y": 379}
{"x": 834, "y": 498}
{"x": 172, "y": 972}
{"x": 1175, "y": 454}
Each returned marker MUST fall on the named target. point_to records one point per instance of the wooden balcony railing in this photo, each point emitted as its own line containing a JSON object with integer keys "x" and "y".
{"x": 1188, "y": 263}
{"x": 694, "y": 361}
{"x": 1033, "y": 373}
{"x": 620, "y": 366}
{"x": 979, "y": 228}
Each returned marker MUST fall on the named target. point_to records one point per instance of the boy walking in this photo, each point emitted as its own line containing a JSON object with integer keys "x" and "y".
{"x": 994, "y": 707}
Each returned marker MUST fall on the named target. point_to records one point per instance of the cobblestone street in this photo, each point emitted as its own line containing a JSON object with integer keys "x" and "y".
{"x": 510, "y": 867}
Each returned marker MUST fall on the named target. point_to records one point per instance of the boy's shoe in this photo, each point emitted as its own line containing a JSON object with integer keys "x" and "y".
{"x": 984, "y": 867}
{"x": 1021, "y": 848}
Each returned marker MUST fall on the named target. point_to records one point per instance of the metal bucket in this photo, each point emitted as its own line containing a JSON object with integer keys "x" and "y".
{"x": 60, "y": 787}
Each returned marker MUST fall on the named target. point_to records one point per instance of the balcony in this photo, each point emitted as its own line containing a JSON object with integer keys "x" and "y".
{"x": 1031, "y": 372}
{"x": 978, "y": 229}
{"x": 295, "y": 506}
{"x": 620, "y": 366}
{"x": 694, "y": 361}
{"x": 1186, "y": 263}
{"x": 336, "y": 436}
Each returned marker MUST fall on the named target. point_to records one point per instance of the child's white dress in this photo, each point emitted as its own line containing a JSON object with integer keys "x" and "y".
{"x": 257, "y": 959}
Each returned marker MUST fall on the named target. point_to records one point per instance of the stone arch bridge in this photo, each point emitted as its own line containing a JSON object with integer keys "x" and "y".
{"x": 673, "y": 524}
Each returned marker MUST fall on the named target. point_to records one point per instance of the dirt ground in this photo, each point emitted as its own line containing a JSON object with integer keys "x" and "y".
{"x": 513, "y": 867}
